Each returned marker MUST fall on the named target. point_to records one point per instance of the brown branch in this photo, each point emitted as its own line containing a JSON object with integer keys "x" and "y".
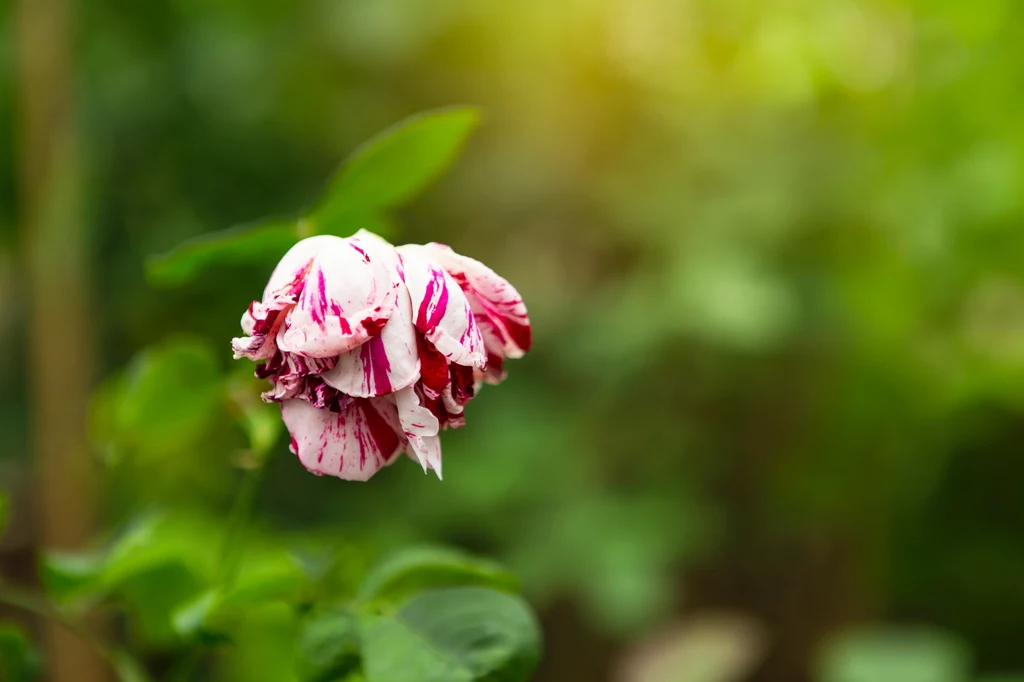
{"x": 54, "y": 239}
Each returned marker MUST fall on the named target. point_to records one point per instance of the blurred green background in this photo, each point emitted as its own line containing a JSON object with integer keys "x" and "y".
{"x": 773, "y": 257}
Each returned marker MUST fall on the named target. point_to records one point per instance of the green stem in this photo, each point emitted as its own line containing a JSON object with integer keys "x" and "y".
{"x": 230, "y": 556}
{"x": 238, "y": 524}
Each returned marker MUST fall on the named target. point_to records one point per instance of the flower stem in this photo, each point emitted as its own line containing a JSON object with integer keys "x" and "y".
{"x": 238, "y": 523}
{"x": 230, "y": 557}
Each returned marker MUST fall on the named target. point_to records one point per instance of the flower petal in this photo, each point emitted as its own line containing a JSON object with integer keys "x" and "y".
{"x": 434, "y": 372}
{"x": 453, "y": 410}
{"x": 495, "y": 371}
{"x": 450, "y": 415}
{"x": 350, "y": 292}
{"x": 420, "y": 427}
{"x": 261, "y": 323}
{"x": 384, "y": 364}
{"x": 295, "y": 264}
{"x": 442, "y": 312}
{"x": 352, "y": 444}
{"x": 498, "y": 307}
{"x": 288, "y": 374}
{"x": 263, "y": 319}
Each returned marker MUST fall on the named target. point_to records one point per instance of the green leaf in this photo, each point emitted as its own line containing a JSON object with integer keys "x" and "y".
{"x": 329, "y": 646}
{"x": 263, "y": 645}
{"x": 18, "y": 660}
{"x": 152, "y": 567}
{"x": 396, "y": 165}
{"x": 264, "y": 242}
{"x": 411, "y": 570}
{"x": 68, "y": 576}
{"x": 191, "y": 618}
{"x": 168, "y": 398}
{"x": 153, "y": 596}
{"x": 153, "y": 542}
{"x": 267, "y": 574}
{"x": 156, "y": 540}
{"x": 460, "y": 634}
{"x": 889, "y": 654}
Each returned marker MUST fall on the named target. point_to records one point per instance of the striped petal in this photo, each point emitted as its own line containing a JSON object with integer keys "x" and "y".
{"x": 498, "y": 307}
{"x": 263, "y": 319}
{"x": 350, "y": 292}
{"x": 441, "y": 311}
{"x": 295, "y": 264}
{"x": 261, "y": 323}
{"x": 420, "y": 428}
{"x": 386, "y": 363}
{"x": 352, "y": 444}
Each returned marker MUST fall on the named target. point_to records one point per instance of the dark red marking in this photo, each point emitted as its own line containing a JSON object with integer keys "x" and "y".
{"x": 462, "y": 383}
{"x": 376, "y": 366}
{"x": 373, "y": 326}
{"x": 366, "y": 259}
{"x": 271, "y": 367}
{"x": 325, "y": 397}
{"x": 427, "y": 320}
{"x": 319, "y": 307}
{"x": 321, "y": 288}
{"x": 433, "y": 366}
{"x": 384, "y": 437}
{"x": 495, "y": 362}
{"x": 521, "y": 334}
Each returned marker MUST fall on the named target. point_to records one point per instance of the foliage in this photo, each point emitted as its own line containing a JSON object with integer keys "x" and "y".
{"x": 772, "y": 255}
{"x": 385, "y": 172}
{"x": 18, "y": 661}
{"x": 422, "y": 614}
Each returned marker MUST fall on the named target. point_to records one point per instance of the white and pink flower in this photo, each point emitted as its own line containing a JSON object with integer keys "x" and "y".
{"x": 372, "y": 350}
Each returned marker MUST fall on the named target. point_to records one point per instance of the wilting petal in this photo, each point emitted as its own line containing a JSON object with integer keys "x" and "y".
{"x": 463, "y": 384}
{"x": 498, "y": 308}
{"x": 352, "y": 444}
{"x": 455, "y": 417}
{"x": 384, "y": 364}
{"x": 448, "y": 412}
{"x": 261, "y": 322}
{"x": 420, "y": 427}
{"x": 495, "y": 371}
{"x": 350, "y": 292}
{"x": 288, "y": 374}
{"x": 440, "y": 308}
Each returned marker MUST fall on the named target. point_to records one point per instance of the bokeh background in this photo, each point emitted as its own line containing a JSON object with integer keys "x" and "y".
{"x": 771, "y": 427}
